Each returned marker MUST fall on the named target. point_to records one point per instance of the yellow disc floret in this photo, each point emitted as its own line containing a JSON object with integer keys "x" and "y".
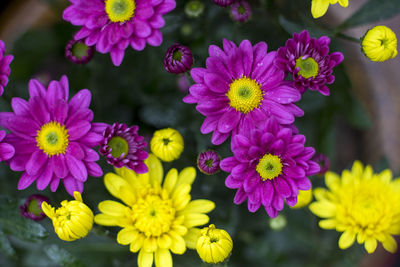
{"x": 213, "y": 245}
{"x": 379, "y": 44}
{"x": 245, "y": 94}
{"x": 363, "y": 205}
{"x": 308, "y": 67}
{"x": 52, "y": 138}
{"x": 269, "y": 167}
{"x": 167, "y": 144}
{"x": 158, "y": 216}
{"x": 120, "y": 10}
{"x": 73, "y": 220}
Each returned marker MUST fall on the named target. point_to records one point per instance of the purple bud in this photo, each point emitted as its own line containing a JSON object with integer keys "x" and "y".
{"x": 223, "y": 3}
{"x": 241, "y": 11}
{"x": 323, "y": 162}
{"x": 78, "y": 52}
{"x": 178, "y": 59}
{"x": 32, "y": 208}
{"x": 208, "y": 162}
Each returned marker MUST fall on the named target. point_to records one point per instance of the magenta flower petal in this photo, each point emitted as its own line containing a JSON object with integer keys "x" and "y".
{"x": 6, "y": 151}
{"x": 4, "y": 67}
{"x": 52, "y": 139}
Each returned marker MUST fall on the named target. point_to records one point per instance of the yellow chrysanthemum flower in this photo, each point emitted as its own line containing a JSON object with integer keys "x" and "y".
{"x": 319, "y": 7}
{"x": 360, "y": 204}
{"x": 214, "y": 245}
{"x": 157, "y": 217}
{"x": 167, "y": 144}
{"x": 379, "y": 44}
{"x": 73, "y": 220}
{"x": 303, "y": 199}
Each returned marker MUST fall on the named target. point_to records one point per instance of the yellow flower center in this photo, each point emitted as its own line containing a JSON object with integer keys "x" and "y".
{"x": 153, "y": 214}
{"x": 120, "y": 10}
{"x": 308, "y": 67}
{"x": 269, "y": 167}
{"x": 52, "y": 138}
{"x": 245, "y": 94}
{"x": 118, "y": 146}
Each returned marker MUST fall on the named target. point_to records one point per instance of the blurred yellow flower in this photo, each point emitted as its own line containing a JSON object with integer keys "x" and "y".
{"x": 379, "y": 44}
{"x": 319, "y": 7}
{"x": 362, "y": 205}
{"x": 303, "y": 199}
{"x": 157, "y": 217}
{"x": 213, "y": 245}
{"x": 73, "y": 220}
{"x": 167, "y": 144}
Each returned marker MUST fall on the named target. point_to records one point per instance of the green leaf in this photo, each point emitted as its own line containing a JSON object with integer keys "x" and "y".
{"x": 292, "y": 27}
{"x": 62, "y": 256}
{"x": 12, "y": 222}
{"x": 5, "y": 246}
{"x": 372, "y": 11}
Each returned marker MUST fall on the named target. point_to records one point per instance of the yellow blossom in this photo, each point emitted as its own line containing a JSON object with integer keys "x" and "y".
{"x": 361, "y": 204}
{"x": 213, "y": 245}
{"x": 73, "y": 220}
{"x": 167, "y": 144}
{"x": 379, "y": 44}
{"x": 303, "y": 199}
{"x": 319, "y": 7}
{"x": 157, "y": 216}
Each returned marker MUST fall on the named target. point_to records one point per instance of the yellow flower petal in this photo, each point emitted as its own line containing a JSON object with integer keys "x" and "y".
{"x": 370, "y": 245}
{"x": 180, "y": 192}
{"x": 48, "y": 210}
{"x": 186, "y": 176}
{"x": 198, "y": 206}
{"x": 327, "y": 224}
{"x": 323, "y": 209}
{"x": 344, "y": 3}
{"x": 113, "y": 208}
{"x": 191, "y": 237}
{"x": 163, "y": 258}
{"x": 150, "y": 244}
{"x": 127, "y": 235}
{"x": 170, "y": 180}
{"x": 137, "y": 243}
{"x": 106, "y": 220}
{"x": 195, "y": 219}
{"x": 156, "y": 171}
{"x": 145, "y": 259}
{"x": 178, "y": 245}
{"x": 78, "y": 196}
{"x": 346, "y": 239}
{"x": 164, "y": 241}
{"x": 113, "y": 183}
{"x": 390, "y": 244}
{"x": 332, "y": 181}
{"x": 319, "y": 8}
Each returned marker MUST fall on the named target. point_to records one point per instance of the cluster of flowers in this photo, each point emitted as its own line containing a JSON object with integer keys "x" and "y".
{"x": 244, "y": 95}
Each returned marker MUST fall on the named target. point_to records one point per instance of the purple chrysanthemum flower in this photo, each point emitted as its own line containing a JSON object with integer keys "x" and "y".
{"x": 4, "y": 67}
{"x": 269, "y": 165}
{"x": 208, "y": 162}
{"x": 113, "y": 25}
{"x": 223, "y": 3}
{"x": 78, "y": 52}
{"x": 122, "y": 146}
{"x": 241, "y": 11}
{"x": 7, "y": 151}
{"x": 178, "y": 59}
{"x": 53, "y": 137}
{"x": 240, "y": 87}
{"x": 323, "y": 162}
{"x": 309, "y": 62}
{"x": 32, "y": 208}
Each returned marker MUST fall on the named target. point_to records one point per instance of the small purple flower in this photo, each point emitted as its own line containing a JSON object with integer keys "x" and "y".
{"x": 178, "y": 59}
{"x": 270, "y": 164}
{"x": 223, "y": 3}
{"x": 4, "y": 67}
{"x": 113, "y": 25}
{"x": 241, "y": 11}
{"x": 7, "y": 151}
{"x": 208, "y": 162}
{"x": 309, "y": 62}
{"x": 323, "y": 162}
{"x": 32, "y": 208}
{"x": 239, "y": 88}
{"x": 53, "y": 137}
{"x": 78, "y": 52}
{"x": 122, "y": 146}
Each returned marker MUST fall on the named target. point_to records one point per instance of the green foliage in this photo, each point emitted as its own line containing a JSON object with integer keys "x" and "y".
{"x": 62, "y": 257}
